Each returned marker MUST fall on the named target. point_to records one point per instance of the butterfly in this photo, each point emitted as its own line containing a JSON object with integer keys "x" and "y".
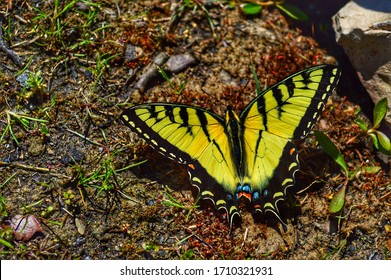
{"x": 250, "y": 156}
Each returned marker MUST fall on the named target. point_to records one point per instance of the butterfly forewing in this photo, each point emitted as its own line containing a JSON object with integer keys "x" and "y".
{"x": 291, "y": 107}
{"x": 188, "y": 135}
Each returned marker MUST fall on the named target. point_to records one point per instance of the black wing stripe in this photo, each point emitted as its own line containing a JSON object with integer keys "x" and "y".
{"x": 262, "y": 110}
{"x": 169, "y": 113}
{"x": 277, "y": 94}
{"x": 203, "y": 123}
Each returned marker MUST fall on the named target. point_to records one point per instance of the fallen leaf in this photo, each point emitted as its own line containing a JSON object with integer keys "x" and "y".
{"x": 24, "y": 227}
{"x": 81, "y": 228}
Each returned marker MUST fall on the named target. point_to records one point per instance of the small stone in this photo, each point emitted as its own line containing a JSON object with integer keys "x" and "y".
{"x": 80, "y": 241}
{"x": 22, "y": 79}
{"x": 132, "y": 53}
{"x": 36, "y": 146}
{"x": 81, "y": 227}
{"x": 178, "y": 63}
{"x": 227, "y": 79}
{"x": 72, "y": 156}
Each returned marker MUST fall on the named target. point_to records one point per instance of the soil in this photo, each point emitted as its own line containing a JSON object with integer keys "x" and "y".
{"x": 88, "y": 188}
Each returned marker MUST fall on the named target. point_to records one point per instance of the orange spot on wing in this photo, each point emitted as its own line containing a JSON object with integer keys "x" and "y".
{"x": 292, "y": 151}
{"x": 191, "y": 166}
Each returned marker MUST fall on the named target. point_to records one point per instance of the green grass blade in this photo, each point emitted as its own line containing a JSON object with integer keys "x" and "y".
{"x": 7, "y": 180}
{"x": 293, "y": 11}
{"x": 6, "y": 243}
{"x": 257, "y": 85}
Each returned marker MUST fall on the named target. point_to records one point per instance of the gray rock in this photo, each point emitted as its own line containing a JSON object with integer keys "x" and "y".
{"x": 22, "y": 79}
{"x": 178, "y": 63}
{"x": 363, "y": 29}
{"x": 132, "y": 53}
{"x": 227, "y": 79}
{"x": 170, "y": 64}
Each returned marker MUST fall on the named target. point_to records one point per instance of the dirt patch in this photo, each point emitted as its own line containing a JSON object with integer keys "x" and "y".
{"x": 67, "y": 160}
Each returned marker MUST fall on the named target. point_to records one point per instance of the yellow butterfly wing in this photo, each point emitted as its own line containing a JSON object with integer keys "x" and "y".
{"x": 288, "y": 110}
{"x": 191, "y": 136}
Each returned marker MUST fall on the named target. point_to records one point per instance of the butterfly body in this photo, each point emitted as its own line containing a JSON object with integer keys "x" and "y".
{"x": 249, "y": 156}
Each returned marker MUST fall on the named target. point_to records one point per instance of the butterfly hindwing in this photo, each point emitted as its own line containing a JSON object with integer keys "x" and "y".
{"x": 275, "y": 182}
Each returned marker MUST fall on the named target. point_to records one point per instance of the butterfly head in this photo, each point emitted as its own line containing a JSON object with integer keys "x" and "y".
{"x": 230, "y": 116}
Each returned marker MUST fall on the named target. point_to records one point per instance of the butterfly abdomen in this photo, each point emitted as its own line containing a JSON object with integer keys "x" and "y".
{"x": 233, "y": 128}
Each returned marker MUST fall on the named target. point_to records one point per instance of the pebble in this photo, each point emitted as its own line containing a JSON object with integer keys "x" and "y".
{"x": 132, "y": 53}
{"x": 22, "y": 79}
{"x": 171, "y": 65}
{"x": 227, "y": 79}
{"x": 178, "y": 63}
